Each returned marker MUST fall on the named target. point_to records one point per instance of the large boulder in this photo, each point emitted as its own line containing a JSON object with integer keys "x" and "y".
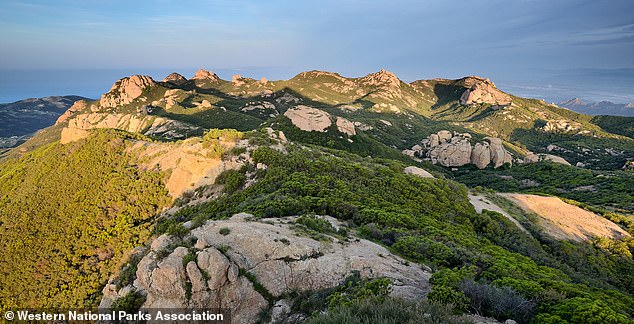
{"x": 481, "y": 155}
{"x": 452, "y": 154}
{"x": 308, "y": 118}
{"x": 533, "y": 158}
{"x": 345, "y": 126}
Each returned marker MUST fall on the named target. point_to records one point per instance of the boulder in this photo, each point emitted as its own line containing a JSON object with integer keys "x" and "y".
{"x": 534, "y": 158}
{"x": 452, "y": 154}
{"x": 444, "y": 136}
{"x": 497, "y": 151}
{"x": 418, "y": 172}
{"x": 308, "y": 118}
{"x": 345, "y": 126}
{"x": 481, "y": 155}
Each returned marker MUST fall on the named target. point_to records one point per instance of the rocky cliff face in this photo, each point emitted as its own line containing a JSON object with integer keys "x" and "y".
{"x": 231, "y": 257}
{"x": 483, "y": 91}
{"x": 126, "y": 90}
{"x": 454, "y": 150}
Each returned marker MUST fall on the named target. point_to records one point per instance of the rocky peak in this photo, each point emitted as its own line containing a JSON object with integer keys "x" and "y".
{"x": 175, "y": 78}
{"x": 126, "y": 90}
{"x": 381, "y": 78}
{"x": 483, "y": 91}
{"x": 205, "y": 75}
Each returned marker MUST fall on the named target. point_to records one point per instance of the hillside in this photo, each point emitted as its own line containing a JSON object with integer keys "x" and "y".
{"x": 158, "y": 183}
{"x": 18, "y": 120}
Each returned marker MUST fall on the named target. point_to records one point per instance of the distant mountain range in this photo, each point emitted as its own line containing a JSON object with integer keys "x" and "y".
{"x": 22, "y": 118}
{"x": 599, "y": 108}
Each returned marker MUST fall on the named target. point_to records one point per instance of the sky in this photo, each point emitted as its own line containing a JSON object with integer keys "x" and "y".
{"x": 540, "y": 48}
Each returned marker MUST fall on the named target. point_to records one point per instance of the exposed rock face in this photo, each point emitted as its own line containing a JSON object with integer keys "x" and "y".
{"x": 381, "y": 78}
{"x": 80, "y": 124}
{"x": 126, "y": 90}
{"x": 483, "y": 91}
{"x": 308, "y": 118}
{"x": 345, "y": 126}
{"x": 204, "y": 75}
{"x": 280, "y": 260}
{"x": 79, "y": 105}
{"x": 534, "y": 158}
{"x": 187, "y": 163}
{"x": 455, "y": 149}
{"x": 175, "y": 78}
{"x": 453, "y": 153}
{"x": 312, "y": 119}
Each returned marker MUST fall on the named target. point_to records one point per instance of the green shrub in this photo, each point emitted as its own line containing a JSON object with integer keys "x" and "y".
{"x": 449, "y": 296}
{"x": 129, "y": 303}
{"x": 388, "y": 311}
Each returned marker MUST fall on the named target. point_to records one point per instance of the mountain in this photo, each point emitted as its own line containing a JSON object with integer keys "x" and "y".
{"x": 599, "y": 108}
{"x": 22, "y": 118}
{"x": 322, "y": 197}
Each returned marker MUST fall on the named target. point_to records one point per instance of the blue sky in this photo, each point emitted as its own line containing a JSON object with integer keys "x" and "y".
{"x": 519, "y": 43}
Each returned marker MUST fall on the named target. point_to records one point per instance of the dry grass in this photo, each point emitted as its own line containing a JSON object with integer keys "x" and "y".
{"x": 564, "y": 221}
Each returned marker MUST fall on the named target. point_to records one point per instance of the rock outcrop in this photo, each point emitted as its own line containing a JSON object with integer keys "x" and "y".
{"x": 308, "y": 118}
{"x": 534, "y": 158}
{"x": 345, "y": 126}
{"x": 274, "y": 255}
{"x": 418, "y": 172}
{"x": 175, "y": 78}
{"x": 79, "y": 125}
{"x": 454, "y": 150}
{"x": 204, "y": 75}
{"x": 312, "y": 119}
{"x": 126, "y": 90}
{"x": 186, "y": 164}
{"x": 381, "y": 78}
{"x": 78, "y": 106}
{"x": 483, "y": 91}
